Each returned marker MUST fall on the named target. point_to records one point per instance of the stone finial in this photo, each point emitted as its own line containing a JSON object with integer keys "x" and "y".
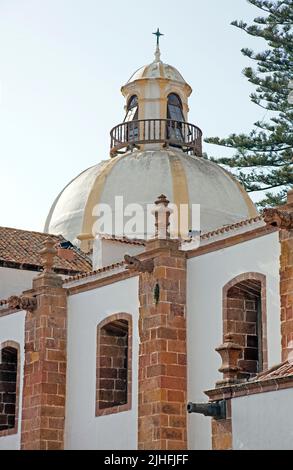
{"x": 162, "y": 215}
{"x": 229, "y": 352}
{"x": 48, "y": 252}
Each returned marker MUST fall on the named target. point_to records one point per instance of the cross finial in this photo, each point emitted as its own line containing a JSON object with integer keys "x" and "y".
{"x": 158, "y": 34}
{"x": 158, "y": 52}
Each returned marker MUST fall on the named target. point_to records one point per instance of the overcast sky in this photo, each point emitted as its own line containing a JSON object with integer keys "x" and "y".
{"x": 62, "y": 63}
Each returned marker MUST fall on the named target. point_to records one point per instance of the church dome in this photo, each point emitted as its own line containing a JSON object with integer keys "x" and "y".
{"x": 154, "y": 151}
{"x": 157, "y": 70}
{"x": 140, "y": 176}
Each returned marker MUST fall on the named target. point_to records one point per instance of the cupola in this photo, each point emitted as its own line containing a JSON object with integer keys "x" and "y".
{"x": 156, "y": 111}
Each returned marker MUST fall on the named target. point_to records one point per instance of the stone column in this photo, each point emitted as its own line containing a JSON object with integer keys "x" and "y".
{"x": 282, "y": 217}
{"x": 162, "y": 422}
{"x": 43, "y": 407}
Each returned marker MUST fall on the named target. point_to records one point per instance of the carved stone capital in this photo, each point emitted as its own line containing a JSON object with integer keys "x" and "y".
{"x": 22, "y": 303}
{"x": 278, "y": 218}
{"x": 134, "y": 264}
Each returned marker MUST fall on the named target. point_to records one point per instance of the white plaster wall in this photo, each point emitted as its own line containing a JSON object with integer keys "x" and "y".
{"x": 12, "y": 329}
{"x": 263, "y": 421}
{"x": 83, "y": 430}
{"x": 206, "y": 276}
{"x": 107, "y": 252}
{"x": 15, "y": 281}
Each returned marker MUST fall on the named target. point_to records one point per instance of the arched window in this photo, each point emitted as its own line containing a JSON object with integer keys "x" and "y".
{"x": 9, "y": 377}
{"x": 244, "y": 317}
{"x": 175, "y": 113}
{"x": 131, "y": 118}
{"x": 175, "y": 110}
{"x": 132, "y": 109}
{"x": 114, "y": 346}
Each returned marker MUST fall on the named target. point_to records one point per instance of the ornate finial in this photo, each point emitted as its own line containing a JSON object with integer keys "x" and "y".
{"x": 229, "y": 352}
{"x": 48, "y": 253}
{"x": 158, "y": 52}
{"x": 162, "y": 214}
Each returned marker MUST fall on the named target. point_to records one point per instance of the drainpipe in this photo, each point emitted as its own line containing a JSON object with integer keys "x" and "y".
{"x": 216, "y": 409}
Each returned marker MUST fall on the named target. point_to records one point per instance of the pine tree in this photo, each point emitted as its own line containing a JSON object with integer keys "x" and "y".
{"x": 266, "y": 152}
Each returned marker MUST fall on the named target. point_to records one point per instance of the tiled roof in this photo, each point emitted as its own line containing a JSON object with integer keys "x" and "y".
{"x": 21, "y": 249}
{"x": 105, "y": 269}
{"x": 280, "y": 370}
{"x": 130, "y": 241}
{"x": 228, "y": 228}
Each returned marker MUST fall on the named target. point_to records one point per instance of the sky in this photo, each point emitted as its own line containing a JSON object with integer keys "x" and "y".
{"x": 63, "y": 62}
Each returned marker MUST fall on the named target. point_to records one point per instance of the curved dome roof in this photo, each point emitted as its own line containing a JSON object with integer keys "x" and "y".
{"x": 157, "y": 69}
{"x": 139, "y": 177}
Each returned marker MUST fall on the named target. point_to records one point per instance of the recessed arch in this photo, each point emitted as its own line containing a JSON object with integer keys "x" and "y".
{"x": 245, "y": 316}
{"x": 9, "y": 387}
{"x": 114, "y": 364}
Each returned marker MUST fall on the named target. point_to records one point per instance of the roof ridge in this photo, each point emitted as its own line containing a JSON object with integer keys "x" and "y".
{"x": 283, "y": 369}
{"x": 227, "y": 228}
{"x": 32, "y": 231}
{"x": 123, "y": 239}
{"x": 93, "y": 273}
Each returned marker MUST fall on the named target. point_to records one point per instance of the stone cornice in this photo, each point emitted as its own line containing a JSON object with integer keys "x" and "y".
{"x": 94, "y": 283}
{"x": 232, "y": 240}
{"x": 250, "y": 388}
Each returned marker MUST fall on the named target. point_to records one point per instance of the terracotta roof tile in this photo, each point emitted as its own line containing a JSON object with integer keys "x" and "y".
{"x": 111, "y": 267}
{"x": 228, "y": 228}
{"x": 130, "y": 241}
{"x": 21, "y": 249}
{"x": 280, "y": 370}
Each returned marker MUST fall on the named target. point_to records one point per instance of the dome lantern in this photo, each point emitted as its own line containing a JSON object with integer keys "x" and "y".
{"x": 156, "y": 111}
{"x": 159, "y": 155}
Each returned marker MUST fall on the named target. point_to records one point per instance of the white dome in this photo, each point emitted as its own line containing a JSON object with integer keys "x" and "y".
{"x": 157, "y": 70}
{"x": 140, "y": 177}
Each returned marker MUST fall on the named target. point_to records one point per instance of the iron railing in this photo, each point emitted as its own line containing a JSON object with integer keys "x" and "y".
{"x": 129, "y": 135}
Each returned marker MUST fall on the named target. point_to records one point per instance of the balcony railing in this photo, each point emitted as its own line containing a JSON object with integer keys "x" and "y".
{"x": 130, "y": 135}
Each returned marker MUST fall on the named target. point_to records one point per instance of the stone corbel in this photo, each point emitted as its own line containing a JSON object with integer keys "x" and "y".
{"x": 22, "y": 303}
{"x": 134, "y": 264}
{"x": 278, "y": 218}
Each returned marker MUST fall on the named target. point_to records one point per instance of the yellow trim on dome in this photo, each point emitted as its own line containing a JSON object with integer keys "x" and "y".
{"x": 180, "y": 186}
{"x": 252, "y": 211}
{"x": 95, "y": 194}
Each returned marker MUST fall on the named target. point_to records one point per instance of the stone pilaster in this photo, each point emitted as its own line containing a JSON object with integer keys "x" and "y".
{"x": 282, "y": 217}
{"x": 162, "y": 355}
{"x": 43, "y": 407}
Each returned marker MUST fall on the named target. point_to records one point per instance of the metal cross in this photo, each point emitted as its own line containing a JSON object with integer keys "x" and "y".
{"x": 158, "y": 34}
